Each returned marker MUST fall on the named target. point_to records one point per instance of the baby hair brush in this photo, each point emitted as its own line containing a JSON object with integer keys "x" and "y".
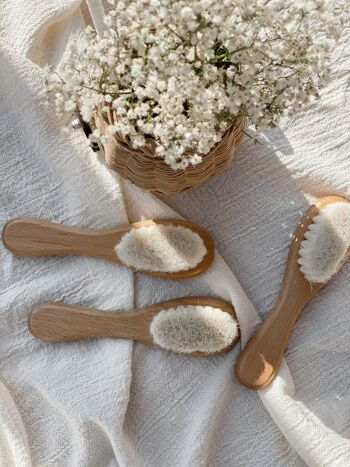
{"x": 191, "y": 325}
{"x": 320, "y": 245}
{"x": 169, "y": 248}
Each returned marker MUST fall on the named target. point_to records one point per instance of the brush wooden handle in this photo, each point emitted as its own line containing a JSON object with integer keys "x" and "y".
{"x": 259, "y": 361}
{"x": 29, "y": 236}
{"x": 56, "y": 321}
{"x": 38, "y": 237}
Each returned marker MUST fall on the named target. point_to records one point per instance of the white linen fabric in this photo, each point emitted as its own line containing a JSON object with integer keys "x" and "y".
{"x": 108, "y": 402}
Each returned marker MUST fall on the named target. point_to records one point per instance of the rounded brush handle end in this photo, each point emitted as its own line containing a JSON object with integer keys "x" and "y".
{"x": 259, "y": 361}
{"x": 57, "y": 321}
{"x": 28, "y": 236}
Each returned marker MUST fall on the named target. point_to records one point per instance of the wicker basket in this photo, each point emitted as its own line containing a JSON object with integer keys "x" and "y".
{"x": 150, "y": 172}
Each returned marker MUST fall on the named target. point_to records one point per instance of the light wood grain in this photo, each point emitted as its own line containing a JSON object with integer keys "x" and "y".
{"x": 259, "y": 361}
{"x": 38, "y": 237}
{"x": 56, "y": 321}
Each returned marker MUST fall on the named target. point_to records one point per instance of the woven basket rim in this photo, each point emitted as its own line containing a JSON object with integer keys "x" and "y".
{"x": 152, "y": 173}
{"x": 109, "y": 118}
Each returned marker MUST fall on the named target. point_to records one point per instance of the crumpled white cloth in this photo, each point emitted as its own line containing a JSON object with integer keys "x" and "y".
{"x": 107, "y": 402}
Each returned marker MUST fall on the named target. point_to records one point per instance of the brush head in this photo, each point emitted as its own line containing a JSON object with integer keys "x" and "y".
{"x": 327, "y": 243}
{"x": 161, "y": 248}
{"x": 194, "y": 328}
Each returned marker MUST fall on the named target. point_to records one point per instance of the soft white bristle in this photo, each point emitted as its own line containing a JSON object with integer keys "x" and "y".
{"x": 161, "y": 248}
{"x": 191, "y": 328}
{"x": 326, "y": 243}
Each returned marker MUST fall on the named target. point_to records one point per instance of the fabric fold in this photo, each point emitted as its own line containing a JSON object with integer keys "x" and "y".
{"x": 108, "y": 402}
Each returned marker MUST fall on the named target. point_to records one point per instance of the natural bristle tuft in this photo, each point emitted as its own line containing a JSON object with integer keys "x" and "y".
{"x": 327, "y": 243}
{"x": 161, "y": 248}
{"x": 194, "y": 328}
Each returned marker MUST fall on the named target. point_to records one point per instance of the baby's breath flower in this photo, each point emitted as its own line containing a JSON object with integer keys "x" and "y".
{"x": 182, "y": 71}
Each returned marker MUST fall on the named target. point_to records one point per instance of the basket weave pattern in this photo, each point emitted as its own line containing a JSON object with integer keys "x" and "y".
{"x": 151, "y": 173}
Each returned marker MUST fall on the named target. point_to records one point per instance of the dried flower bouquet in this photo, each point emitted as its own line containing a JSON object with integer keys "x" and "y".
{"x": 182, "y": 71}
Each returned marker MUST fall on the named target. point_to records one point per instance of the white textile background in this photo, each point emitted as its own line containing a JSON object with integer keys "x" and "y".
{"x": 110, "y": 403}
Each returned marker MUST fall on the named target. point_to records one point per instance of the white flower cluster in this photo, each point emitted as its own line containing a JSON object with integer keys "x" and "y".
{"x": 182, "y": 71}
